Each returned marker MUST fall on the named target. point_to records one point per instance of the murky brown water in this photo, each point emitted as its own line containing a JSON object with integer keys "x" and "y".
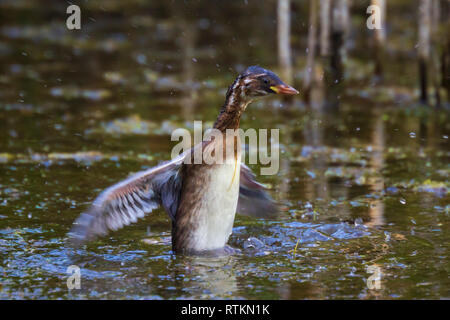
{"x": 80, "y": 110}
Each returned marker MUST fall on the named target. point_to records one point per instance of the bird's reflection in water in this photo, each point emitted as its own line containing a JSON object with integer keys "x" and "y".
{"x": 214, "y": 276}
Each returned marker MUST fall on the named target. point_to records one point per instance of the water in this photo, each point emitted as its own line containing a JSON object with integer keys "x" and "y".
{"x": 365, "y": 186}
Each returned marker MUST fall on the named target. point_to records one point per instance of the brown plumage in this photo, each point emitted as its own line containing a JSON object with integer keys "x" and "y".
{"x": 201, "y": 199}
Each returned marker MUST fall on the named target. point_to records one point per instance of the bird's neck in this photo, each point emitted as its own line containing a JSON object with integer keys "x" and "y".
{"x": 235, "y": 104}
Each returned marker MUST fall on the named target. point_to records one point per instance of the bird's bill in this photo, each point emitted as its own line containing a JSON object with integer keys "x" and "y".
{"x": 284, "y": 89}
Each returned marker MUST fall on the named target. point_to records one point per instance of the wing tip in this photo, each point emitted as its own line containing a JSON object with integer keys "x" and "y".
{"x": 81, "y": 231}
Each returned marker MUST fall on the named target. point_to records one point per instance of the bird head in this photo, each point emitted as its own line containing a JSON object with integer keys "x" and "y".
{"x": 259, "y": 82}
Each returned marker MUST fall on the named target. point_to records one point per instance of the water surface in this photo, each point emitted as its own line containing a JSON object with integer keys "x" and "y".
{"x": 363, "y": 186}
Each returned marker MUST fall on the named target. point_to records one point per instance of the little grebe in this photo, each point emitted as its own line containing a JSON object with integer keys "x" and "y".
{"x": 201, "y": 199}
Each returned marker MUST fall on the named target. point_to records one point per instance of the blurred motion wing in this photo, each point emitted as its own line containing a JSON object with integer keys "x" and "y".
{"x": 126, "y": 201}
{"x": 254, "y": 201}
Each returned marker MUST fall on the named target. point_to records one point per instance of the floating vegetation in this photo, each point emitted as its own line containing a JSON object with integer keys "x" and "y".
{"x": 438, "y": 188}
{"x": 129, "y": 125}
{"x": 114, "y": 77}
{"x": 77, "y": 156}
{"x": 51, "y": 158}
{"x": 70, "y": 93}
{"x": 6, "y": 157}
{"x": 135, "y": 125}
{"x": 334, "y": 155}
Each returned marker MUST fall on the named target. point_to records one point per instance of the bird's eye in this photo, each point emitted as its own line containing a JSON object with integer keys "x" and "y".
{"x": 266, "y": 81}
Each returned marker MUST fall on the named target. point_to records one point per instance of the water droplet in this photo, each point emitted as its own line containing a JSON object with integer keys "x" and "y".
{"x": 141, "y": 58}
{"x": 387, "y": 236}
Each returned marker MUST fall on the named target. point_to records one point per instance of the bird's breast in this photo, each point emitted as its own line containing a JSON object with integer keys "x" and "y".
{"x": 208, "y": 205}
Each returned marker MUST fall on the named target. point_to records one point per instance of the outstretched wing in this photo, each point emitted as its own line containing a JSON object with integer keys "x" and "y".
{"x": 126, "y": 201}
{"x": 253, "y": 200}
{"x": 133, "y": 198}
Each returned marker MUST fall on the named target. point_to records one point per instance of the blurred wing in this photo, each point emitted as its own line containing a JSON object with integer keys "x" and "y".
{"x": 254, "y": 201}
{"x": 126, "y": 201}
